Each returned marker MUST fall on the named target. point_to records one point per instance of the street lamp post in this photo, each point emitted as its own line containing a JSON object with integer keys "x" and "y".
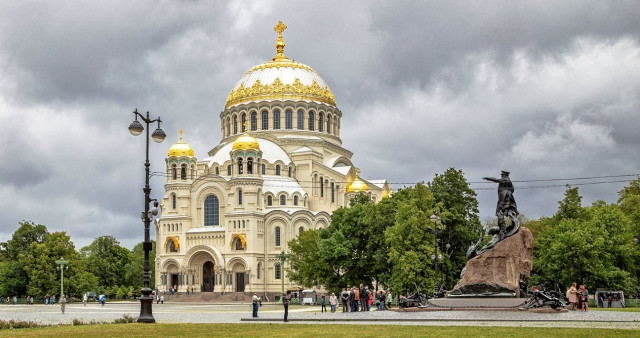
{"x": 62, "y": 265}
{"x": 136, "y": 128}
{"x": 436, "y": 231}
{"x": 282, "y": 257}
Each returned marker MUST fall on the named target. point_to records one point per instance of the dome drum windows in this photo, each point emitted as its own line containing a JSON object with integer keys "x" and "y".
{"x": 277, "y": 170}
{"x": 320, "y": 122}
{"x": 254, "y": 121}
{"x": 183, "y": 172}
{"x": 288, "y": 119}
{"x": 265, "y": 120}
{"x": 300, "y": 120}
{"x": 250, "y": 166}
{"x": 283, "y": 200}
{"x": 276, "y": 119}
{"x": 312, "y": 121}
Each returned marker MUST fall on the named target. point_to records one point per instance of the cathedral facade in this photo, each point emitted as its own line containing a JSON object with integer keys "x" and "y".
{"x": 279, "y": 169}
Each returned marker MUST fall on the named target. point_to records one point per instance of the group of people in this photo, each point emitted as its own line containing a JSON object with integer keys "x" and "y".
{"x": 609, "y": 298}
{"x": 8, "y": 300}
{"x": 578, "y": 298}
{"x": 361, "y": 299}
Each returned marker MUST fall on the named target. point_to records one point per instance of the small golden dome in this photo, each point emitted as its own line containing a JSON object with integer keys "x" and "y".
{"x": 357, "y": 185}
{"x": 246, "y": 141}
{"x": 180, "y": 148}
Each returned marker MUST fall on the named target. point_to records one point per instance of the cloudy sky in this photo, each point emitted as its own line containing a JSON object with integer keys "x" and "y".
{"x": 544, "y": 89}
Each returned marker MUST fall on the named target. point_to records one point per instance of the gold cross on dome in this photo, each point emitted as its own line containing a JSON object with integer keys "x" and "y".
{"x": 180, "y": 134}
{"x": 246, "y": 126}
{"x": 280, "y": 27}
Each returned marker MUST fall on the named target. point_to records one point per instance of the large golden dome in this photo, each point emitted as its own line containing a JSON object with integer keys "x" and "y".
{"x": 280, "y": 79}
{"x": 180, "y": 148}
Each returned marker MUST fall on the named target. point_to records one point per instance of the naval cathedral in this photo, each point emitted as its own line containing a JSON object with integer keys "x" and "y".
{"x": 279, "y": 169}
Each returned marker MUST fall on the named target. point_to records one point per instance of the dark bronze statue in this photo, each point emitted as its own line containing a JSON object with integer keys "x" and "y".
{"x": 506, "y": 207}
{"x": 505, "y": 210}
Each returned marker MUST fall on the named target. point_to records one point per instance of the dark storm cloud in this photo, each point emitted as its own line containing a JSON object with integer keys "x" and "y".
{"x": 544, "y": 89}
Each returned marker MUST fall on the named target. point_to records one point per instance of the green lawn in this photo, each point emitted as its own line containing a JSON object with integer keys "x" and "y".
{"x": 305, "y": 330}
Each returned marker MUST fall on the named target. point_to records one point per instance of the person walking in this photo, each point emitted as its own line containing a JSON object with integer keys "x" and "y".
{"x": 389, "y": 299}
{"x": 63, "y": 303}
{"x": 333, "y": 301}
{"x": 161, "y": 299}
{"x": 285, "y": 301}
{"x": 84, "y": 299}
{"x": 255, "y": 299}
{"x": 573, "y": 296}
{"x": 324, "y": 304}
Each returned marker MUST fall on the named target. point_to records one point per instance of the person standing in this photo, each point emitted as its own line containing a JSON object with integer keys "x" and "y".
{"x": 333, "y": 301}
{"x": 63, "y": 303}
{"x": 389, "y": 299}
{"x": 573, "y": 296}
{"x": 161, "y": 299}
{"x": 352, "y": 299}
{"x": 84, "y": 299}
{"x": 285, "y": 301}
{"x": 255, "y": 301}
{"x": 363, "y": 297}
{"x": 344, "y": 297}
{"x": 324, "y": 304}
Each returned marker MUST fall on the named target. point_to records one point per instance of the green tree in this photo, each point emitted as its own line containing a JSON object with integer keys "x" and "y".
{"x": 135, "y": 267}
{"x": 629, "y": 201}
{"x": 107, "y": 260}
{"x": 14, "y": 279}
{"x": 459, "y": 213}
{"x": 571, "y": 206}
{"x": 306, "y": 266}
{"x": 597, "y": 250}
{"x": 411, "y": 242}
{"x": 38, "y": 262}
{"x": 82, "y": 282}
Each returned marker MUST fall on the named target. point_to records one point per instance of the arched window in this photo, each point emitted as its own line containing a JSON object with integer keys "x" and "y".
{"x": 333, "y": 193}
{"x": 269, "y": 200}
{"x": 295, "y": 200}
{"x": 277, "y": 271}
{"x": 183, "y": 171}
{"x": 265, "y": 120}
{"x": 250, "y": 166}
{"x": 312, "y": 121}
{"x": 282, "y": 200}
{"x": 258, "y": 270}
{"x": 277, "y": 236}
{"x": 235, "y": 124}
{"x": 328, "y": 124}
{"x": 174, "y": 168}
{"x": 277, "y": 170}
{"x": 239, "y": 196}
{"x": 321, "y": 187}
{"x": 264, "y": 169}
{"x": 242, "y": 121}
{"x": 300, "y": 120}
{"x": 229, "y": 170}
{"x": 211, "y": 210}
{"x": 217, "y": 171}
{"x": 173, "y": 201}
{"x": 254, "y": 121}
{"x": 228, "y": 124}
{"x": 239, "y": 165}
{"x": 289, "y": 171}
{"x": 276, "y": 119}
{"x": 288, "y": 119}
{"x": 335, "y": 125}
{"x": 320, "y": 122}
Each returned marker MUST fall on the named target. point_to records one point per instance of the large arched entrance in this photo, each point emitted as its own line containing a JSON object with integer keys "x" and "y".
{"x": 208, "y": 277}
